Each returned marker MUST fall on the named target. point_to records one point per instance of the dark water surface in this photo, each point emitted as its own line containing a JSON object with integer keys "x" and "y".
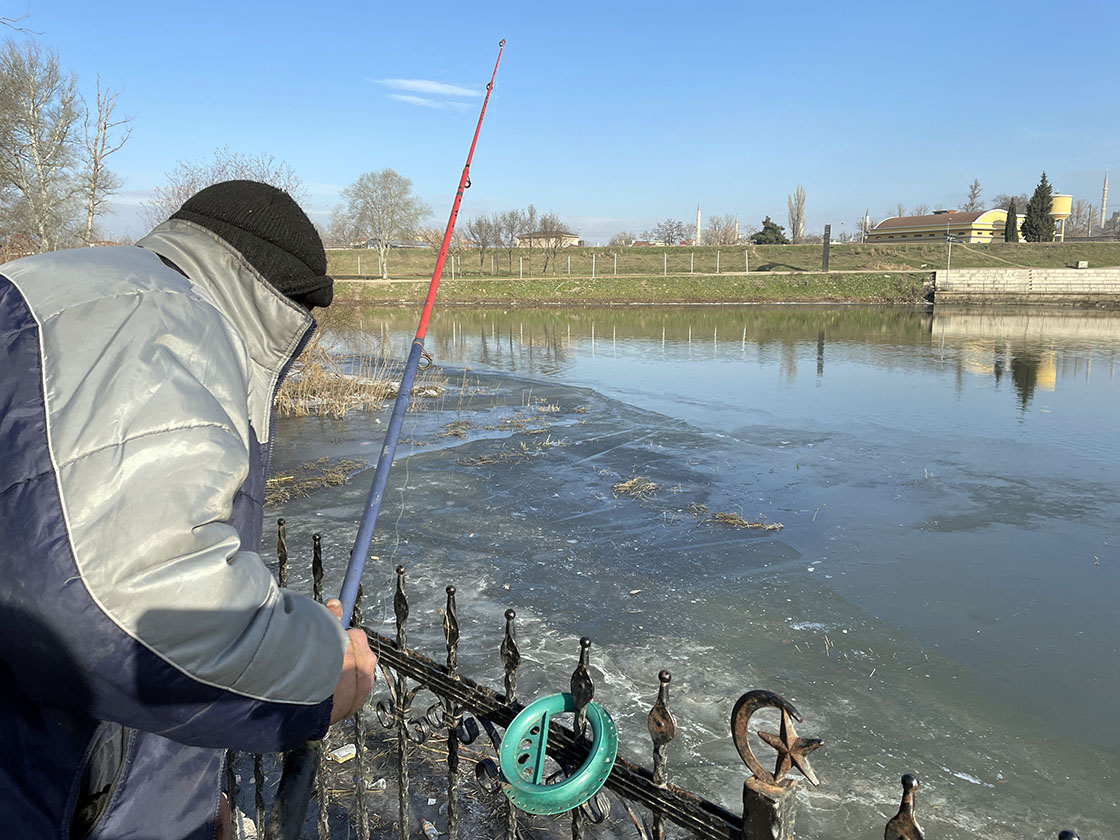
{"x": 941, "y": 600}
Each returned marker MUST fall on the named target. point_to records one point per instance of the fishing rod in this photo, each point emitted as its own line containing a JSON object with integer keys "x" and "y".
{"x": 298, "y": 776}
{"x": 381, "y": 473}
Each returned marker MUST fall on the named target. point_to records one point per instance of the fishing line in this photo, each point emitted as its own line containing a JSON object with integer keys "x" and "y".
{"x": 290, "y": 805}
{"x": 381, "y": 474}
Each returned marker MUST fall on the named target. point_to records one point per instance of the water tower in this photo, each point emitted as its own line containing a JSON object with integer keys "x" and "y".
{"x": 1061, "y": 207}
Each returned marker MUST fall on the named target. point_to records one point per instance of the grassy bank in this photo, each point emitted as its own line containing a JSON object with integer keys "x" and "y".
{"x": 861, "y": 287}
{"x": 926, "y": 256}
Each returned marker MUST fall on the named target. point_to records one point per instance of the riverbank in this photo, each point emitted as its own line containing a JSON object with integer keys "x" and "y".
{"x": 894, "y": 287}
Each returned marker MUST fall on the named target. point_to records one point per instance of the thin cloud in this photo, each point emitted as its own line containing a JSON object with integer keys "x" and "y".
{"x": 440, "y": 104}
{"x": 418, "y": 100}
{"x": 426, "y": 86}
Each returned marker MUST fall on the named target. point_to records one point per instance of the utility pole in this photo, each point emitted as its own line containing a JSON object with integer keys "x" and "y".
{"x": 1104, "y": 199}
{"x": 950, "y": 238}
{"x": 696, "y": 241}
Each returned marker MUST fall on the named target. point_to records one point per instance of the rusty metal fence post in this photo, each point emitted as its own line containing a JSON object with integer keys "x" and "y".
{"x": 662, "y": 729}
{"x": 451, "y": 715}
{"x": 768, "y": 798}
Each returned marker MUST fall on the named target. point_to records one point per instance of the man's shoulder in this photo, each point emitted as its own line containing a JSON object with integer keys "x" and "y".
{"x": 78, "y": 278}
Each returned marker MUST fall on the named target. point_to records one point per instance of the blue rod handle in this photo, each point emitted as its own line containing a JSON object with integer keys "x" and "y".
{"x": 360, "y": 551}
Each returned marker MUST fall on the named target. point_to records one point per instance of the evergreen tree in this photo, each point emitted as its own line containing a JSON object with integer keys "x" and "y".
{"x": 771, "y": 234}
{"x": 1011, "y": 226}
{"x": 1038, "y": 224}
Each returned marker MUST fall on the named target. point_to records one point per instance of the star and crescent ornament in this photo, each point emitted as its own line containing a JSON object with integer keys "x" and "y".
{"x": 792, "y": 749}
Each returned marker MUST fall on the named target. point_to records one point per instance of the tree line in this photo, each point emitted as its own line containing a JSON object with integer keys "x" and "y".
{"x": 380, "y": 211}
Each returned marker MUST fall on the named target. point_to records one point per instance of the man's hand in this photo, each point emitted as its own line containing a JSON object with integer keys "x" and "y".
{"x": 356, "y": 682}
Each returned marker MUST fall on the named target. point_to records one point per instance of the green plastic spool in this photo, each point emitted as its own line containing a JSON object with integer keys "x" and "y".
{"x": 523, "y": 749}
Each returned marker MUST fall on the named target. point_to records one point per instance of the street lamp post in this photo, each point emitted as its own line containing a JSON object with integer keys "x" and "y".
{"x": 950, "y": 238}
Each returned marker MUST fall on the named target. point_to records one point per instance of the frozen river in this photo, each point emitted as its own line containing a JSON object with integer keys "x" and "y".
{"x": 942, "y": 598}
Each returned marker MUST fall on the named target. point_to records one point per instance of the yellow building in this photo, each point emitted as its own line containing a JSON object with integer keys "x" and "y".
{"x": 1061, "y": 208}
{"x": 548, "y": 239}
{"x": 972, "y": 226}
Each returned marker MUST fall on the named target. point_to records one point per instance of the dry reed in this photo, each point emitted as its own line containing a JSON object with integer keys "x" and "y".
{"x": 317, "y": 383}
{"x": 639, "y": 486}
{"x": 734, "y": 520}
{"x": 326, "y": 472}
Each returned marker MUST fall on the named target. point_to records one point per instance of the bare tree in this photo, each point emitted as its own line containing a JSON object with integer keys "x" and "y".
{"x": 900, "y": 210}
{"x": 669, "y": 231}
{"x": 551, "y": 233}
{"x": 529, "y": 223}
{"x": 107, "y": 137}
{"x": 1003, "y": 201}
{"x": 920, "y": 210}
{"x": 796, "y": 205}
{"x": 188, "y": 177}
{"x": 430, "y": 235}
{"x": 622, "y": 239}
{"x": 973, "y": 202}
{"x": 38, "y": 113}
{"x": 340, "y": 232}
{"x": 721, "y": 230}
{"x": 509, "y": 224}
{"x": 483, "y": 233}
{"x": 865, "y": 225}
{"x": 1079, "y": 221}
{"x": 11, "y": 22}
{"x": 1112, "y": 226}
{"x": 382, "y": 208}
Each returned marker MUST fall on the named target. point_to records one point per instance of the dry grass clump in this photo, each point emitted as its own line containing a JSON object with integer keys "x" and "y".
{"x": 326, "y": 472}
{"x": 734, "y": 520}
{"x": 317, "y": 384}
{"x": 639, "y": 486}
{"x": 456, "y": 428}
{"x": 499, "y": 456}
{"x": 523, "y": 452}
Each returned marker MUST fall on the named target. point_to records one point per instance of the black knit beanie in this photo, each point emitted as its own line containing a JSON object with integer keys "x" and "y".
{"x": 270, "y": 230}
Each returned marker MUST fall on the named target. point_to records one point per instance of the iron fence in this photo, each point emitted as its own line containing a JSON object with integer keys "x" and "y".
{"x": 467, "y": 713}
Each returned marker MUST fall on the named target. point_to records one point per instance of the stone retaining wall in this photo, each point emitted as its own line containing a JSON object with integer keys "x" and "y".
{"x": 1061, "y": 286}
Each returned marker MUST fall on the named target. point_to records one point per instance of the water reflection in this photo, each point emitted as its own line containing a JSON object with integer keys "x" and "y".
{"x": 1040, "y": 350}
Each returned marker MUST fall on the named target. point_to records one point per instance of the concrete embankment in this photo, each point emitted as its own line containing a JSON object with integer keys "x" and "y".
{"x": 1042, "y": 286}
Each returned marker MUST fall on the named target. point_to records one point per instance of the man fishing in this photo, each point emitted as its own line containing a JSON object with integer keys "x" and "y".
{"x": 141, "y": 634}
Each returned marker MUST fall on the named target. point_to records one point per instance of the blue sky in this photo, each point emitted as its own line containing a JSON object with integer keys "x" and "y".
{"x": 615, "y": 116}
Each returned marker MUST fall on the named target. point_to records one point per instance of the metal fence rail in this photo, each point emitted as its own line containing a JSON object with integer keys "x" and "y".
{"x": 466, "y": 709}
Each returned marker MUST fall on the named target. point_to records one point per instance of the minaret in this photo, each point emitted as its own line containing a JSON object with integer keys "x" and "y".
{"x": 696, "y": 241}
{"x": 1104, "y": 199}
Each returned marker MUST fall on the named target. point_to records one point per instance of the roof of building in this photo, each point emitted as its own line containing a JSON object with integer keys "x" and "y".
{"x": 539, "y": 234}
{"x": 953, "y": 217}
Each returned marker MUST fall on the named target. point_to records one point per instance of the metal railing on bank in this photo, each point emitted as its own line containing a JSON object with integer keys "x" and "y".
{"x": 466, "y": 722}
